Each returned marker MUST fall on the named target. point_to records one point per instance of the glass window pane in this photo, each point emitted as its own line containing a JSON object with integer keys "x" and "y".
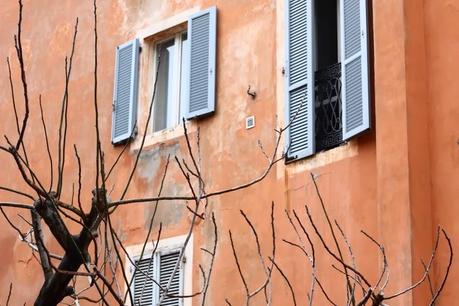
{"x": 165, "y": 51}
{"x": 184, "y": 77}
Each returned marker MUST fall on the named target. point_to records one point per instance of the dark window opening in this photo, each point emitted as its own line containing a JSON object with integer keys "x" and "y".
{"x": 326, "y": 25}
{"x": 328, "y": 106}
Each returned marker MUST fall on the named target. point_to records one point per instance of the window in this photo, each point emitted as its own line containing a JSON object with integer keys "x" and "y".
{"x": 171, "y": 90}
{"x": 327, "y": 91}
{"x": 186, "y": 77}
{"x": 157, "y": 268}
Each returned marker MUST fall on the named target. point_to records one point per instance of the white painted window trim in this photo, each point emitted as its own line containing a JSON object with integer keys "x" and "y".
{"x": 165, "y": 246}
{"x": 174, "y": 105}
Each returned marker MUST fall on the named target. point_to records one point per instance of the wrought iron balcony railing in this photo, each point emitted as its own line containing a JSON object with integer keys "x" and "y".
{"x": 328, "y": 125}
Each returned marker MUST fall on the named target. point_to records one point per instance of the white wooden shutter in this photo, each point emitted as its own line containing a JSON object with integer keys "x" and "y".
{"x": 299, "y": 79}
{"x": 202, "y": 31}
{"x": 167, "y": 265}
{"x": 354, "y": 63}
{"x": 125, "y": 91}
{"x": 144, "y": 287}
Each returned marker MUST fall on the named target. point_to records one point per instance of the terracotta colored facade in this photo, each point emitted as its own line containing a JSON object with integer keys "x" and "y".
{"x": 397, "y": 182}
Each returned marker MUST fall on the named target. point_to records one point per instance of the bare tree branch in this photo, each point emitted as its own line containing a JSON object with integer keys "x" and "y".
{"x": 285, "y": 279}
{"x": 9, "y": 294}
{"x": 450, "y": 263}
{"x": 64, "y": 116}
{"x": 48, "y": 150}
{"x": 424, "y": 275}
{"x": 44, "y": 257}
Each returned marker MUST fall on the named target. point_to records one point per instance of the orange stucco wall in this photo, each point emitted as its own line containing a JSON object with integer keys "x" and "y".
{"x": 443, "y": 110}
{"x": 396, "y": 182}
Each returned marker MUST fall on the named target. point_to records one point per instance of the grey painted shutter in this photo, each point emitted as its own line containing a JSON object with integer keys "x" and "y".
{"x": 144, "y": 287}
{"x": 354, "y": 63}
{"x": 125, "y": 91}
{"x": 299, "y": 79}
{"x": 167, "y": 265}
{"x": 202, "y": 31}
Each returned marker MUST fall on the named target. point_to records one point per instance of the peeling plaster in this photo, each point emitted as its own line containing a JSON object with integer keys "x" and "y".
{"x": 141, "y": 14}
{"x": 168, "y": 212}
{"x": 150, "y": 160}
{"x": 452, "y": 5}
{"x": 150, "y": 168}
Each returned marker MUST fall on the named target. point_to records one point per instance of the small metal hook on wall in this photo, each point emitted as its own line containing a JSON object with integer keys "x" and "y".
{"x": 252, "y": 93}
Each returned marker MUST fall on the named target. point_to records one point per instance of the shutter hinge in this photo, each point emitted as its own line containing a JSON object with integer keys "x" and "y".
{"x": 290, "y": 158}
{"x": 184, "y": 259}
{"x": 113, "y": 106}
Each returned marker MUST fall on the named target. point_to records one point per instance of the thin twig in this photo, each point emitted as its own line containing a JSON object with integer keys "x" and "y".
{"x": 21, "y": 234}
{"x": 142, "y": 144}
{"x": 51, "y": 166}
{"x": 349, "y": 290}
{"x": 383, "y": 253}
{"x": 150, "y": 226}
{"x": 79, "y": 179}
{"x": 17, "y": 192}
{"x": 62, "y": 139}
{"x": 424, "y": 276}
{"x": 213, "y": 254}
{"x": 324, "y": 244}
{"x": 450, "y": 263}
{"x": 244, "y": 282}
{"x": 273, "y": 161}
{"x": 286, "y": 280}
{"x": 9, "y": 294}
{"x": 18, "y": 46}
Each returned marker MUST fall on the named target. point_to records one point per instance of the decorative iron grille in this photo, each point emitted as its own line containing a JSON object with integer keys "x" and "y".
{"x": 328, "y": 107}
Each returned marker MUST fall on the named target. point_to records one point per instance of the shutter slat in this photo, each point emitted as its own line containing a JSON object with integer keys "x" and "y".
{"x": 144, "y": 286}
{"x": 299, "y": 28}
{"x": 167, "y": 265}
{"x": 299, "y": 84}
{"x": 202, "y": 53}
{"x": 354, "y": 60}
{"x": 125, "y": 91}
{"x": 352, "y": 27}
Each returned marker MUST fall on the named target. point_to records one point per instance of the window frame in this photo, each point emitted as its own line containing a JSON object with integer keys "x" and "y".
{"x": 176, "y": 99}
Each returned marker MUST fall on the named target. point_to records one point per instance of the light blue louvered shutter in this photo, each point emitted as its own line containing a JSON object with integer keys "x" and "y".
{"x": 354, "y": 63}
{"x": 125, "y": 91}
{"x": 167, "y": 265}
{"x": 144, "y": 287}
{"x": 202, "y": 30}
{"x": 299, "y": 79}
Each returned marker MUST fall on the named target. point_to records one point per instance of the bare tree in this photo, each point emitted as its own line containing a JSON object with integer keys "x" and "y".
{"x": 97, "y": 247}
{"x": 360, "y": 290}
{"x": 97, "y": 251}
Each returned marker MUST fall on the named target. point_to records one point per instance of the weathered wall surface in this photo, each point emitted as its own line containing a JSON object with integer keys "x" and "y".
{"x": 442, "y": 41}
{"x": 396, "y": 182}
